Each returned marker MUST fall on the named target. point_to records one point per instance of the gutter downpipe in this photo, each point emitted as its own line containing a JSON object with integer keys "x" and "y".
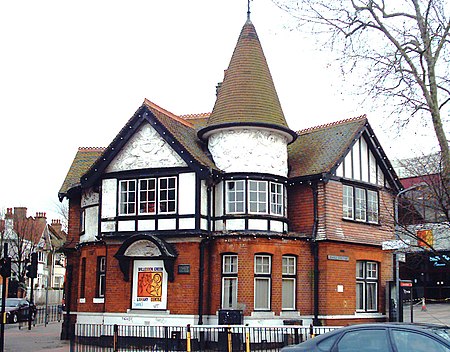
{"x": 202, "y": 252}
{"x": 315, "y": 252}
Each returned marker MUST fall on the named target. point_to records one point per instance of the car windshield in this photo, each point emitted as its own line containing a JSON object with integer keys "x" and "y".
{"x": 443, "y": 332}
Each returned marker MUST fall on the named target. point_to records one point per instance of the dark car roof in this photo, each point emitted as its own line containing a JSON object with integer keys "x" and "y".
{"x": 391, "y": 325}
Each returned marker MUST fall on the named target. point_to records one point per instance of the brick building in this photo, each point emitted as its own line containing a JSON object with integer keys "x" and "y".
{"x": 184, "y": 219}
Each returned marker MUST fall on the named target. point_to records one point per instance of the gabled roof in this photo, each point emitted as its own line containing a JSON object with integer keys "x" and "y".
{"x": 179, "y": 133}
{"x": 247, "y": 95}
{"x": 319, "y": 150}
{"x": 83, "y": 160}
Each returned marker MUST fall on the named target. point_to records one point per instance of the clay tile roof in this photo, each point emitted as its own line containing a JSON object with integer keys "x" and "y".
{"x": 198, "y": 120}
{"x": 247, "y": 94}
{"x": 318, "y": 149}
{"x": 83, "y": 160}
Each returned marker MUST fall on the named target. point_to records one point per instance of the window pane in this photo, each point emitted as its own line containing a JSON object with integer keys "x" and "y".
{"x": 288, "y": 265}
{"x": 276, "y": 199}
{"x": 360, "y": 270}
{"x": 167, "y": 194}
{"x": 372, "y": 272}
{"x": 365, "y": 340}
{"x": 230, "y": 264}
{"x": 408, "y": 341}
{"x": 262, "y": 295}
{"x": 147, "y": 196}
{"x": 229, "y": 293}
{"x": 360, "y": 204}
{"x": 257, "y": 196}
{"x": 235, "y": 196}
{"x": 371, "y": 296}
{"x": 360, "y": 296}
{"x": 372, "y": 206}
{"x": 347, "y": 202}
{"x": 262, "y": 264}
{"x": 127, "y": 197}
{"x": 288, "y": 294}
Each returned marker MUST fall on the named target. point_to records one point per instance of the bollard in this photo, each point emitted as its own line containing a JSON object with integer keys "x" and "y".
{"x": 247, "y": 341}
{"x": 188, "y": 338}
{"x": 230, "y": 343}
{"x": 115, "y": 337}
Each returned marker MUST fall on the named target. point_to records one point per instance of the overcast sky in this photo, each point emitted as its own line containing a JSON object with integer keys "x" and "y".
{"x": 73, "y": 73}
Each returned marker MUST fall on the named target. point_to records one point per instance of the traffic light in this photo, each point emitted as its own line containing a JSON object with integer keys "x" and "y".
{"x": 5, "y": 267}
{"x": 31, "y": 269}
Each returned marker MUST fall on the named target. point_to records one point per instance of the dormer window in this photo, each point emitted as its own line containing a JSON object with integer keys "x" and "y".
{"x": 153, "y": 195}
{"x": 255, "y": 197}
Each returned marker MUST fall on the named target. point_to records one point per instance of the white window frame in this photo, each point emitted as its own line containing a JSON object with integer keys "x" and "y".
{"x": 229, "y": 281}
{"x": 289, "y": 274}
{"x": 261, "y": 201}
{"x": 366, "y": 276}
{"x": 262, "y": 271}
{"x": 235, "y": 202}
{"x": 147, "y": 193}
{"x": 276, "y": 199}
{"x": 360, "y": 204}
{"x": 167, "y": 190}
{"x": 101, "y": 276}
{"x": 122, "y": 194}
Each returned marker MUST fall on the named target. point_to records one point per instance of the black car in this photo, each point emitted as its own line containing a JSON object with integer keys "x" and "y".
{"x": 380, "y": 337}
{"x": 17, "y": 309}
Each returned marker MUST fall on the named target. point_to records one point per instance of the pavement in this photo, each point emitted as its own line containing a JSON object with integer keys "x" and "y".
{"x": 47, "y": 338}
{"x": 39, "y": 338}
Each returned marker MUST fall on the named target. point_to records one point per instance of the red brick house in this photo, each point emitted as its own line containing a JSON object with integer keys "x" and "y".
{"x": 184, "y": 219}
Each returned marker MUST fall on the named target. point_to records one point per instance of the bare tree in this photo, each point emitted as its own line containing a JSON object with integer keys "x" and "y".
{"x": 62, "y": 209}
{"x": 402, "y": 46}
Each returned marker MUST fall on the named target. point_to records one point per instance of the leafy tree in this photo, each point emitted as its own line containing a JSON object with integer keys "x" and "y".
{"x": 402, "y": 46}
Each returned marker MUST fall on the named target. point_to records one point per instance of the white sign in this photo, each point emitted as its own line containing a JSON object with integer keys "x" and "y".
{"x": 149, "y": 285}
{"x": 394, "y": 244}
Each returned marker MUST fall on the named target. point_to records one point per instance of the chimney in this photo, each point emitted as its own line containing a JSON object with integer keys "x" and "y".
{"x": 9, "y": 213}
{"x": 57, "y": 226}
{"x": 20, "y": 213}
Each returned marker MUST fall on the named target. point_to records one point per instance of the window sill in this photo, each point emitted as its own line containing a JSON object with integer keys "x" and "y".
{"x": 361, "y": 222}
{"x": 82, "y": 300}
{"x": 98, "y": 300}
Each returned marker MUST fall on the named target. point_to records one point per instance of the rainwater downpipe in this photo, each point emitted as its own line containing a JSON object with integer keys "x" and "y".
{"x": 315, "y": 252}
{"x": 202, "y": 256}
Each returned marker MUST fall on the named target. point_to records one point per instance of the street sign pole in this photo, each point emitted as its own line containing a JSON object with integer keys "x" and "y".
{"x": 2, "y": 323}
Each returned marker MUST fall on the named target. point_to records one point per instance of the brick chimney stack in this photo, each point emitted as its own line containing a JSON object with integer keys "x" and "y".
{"x": 9, "y": 213}
{"x": 57, "y": 226}
{"x": 20, "y": 213}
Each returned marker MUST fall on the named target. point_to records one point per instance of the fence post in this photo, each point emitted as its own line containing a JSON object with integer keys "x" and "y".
{"x": 247, "y": 340}
{"x": 188, "y": 338}
{"x": 115, "y": 336}
{"x": 296, "y": 339}
{"x": 311, "y": 330}
{"x": 230, "y": 343}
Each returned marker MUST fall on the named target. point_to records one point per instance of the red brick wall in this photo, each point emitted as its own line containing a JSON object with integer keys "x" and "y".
{"x": 334, "y": 273}
{"x": 246, "y": 248}
{"x": 300, "y": 209}
{"x": 73, "y": 256}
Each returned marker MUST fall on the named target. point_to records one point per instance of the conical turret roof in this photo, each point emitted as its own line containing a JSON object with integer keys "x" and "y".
{"x": 247, "y": 95}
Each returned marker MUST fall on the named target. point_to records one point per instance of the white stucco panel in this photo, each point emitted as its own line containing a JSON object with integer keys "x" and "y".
{"x": 146, "y": 149}
{"x": 91, "y": 223}
{"x": 89, "y": 197}
{"x": 186, "y": 199}
{"x": 109, "y": 195}
{"x": 249, "y": 150}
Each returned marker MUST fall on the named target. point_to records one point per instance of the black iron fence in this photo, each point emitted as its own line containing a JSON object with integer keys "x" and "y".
{"x": 115, "y": 338}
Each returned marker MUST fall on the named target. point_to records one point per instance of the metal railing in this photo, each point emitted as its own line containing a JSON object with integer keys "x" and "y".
{"x": 96, "y": 337}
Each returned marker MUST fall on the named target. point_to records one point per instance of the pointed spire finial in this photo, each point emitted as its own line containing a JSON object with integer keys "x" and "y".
{"x": 248, "y": 10}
